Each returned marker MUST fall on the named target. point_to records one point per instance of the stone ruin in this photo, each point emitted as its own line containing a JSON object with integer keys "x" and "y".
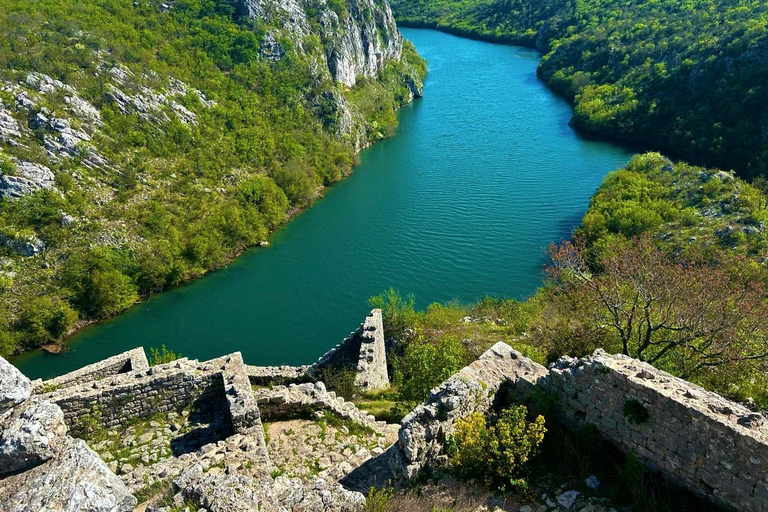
{"x": 211, "y": 447}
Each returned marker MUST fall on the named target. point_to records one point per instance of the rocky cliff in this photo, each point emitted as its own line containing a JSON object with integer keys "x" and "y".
{"x": 358, "y": 37}
{"x": 133, "y": 164}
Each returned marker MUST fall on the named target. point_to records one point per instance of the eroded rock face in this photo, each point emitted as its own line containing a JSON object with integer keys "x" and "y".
{"x": 14, "y": 386}
{"x": 26, "y": 246}
{"x": 30, "y": 434}
{"x": 357, "y": 41}
{"x": 75, "y": 481}
{"x": 31, "y": 177}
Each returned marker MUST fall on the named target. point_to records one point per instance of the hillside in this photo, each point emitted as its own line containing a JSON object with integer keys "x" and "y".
{"x": 689, "y": 77}
{"x": 144, "y": 143}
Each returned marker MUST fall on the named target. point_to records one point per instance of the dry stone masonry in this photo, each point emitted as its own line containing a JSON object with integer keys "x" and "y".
{"x": 41, "y": 466}
{"x": 699, "y": 440}
{"x": 131, "y": 361}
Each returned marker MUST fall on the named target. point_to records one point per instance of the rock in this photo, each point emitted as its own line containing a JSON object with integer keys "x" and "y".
{"x": 31, "y": 434}
{"x": 26, "y": 246}
{"x": 229, "y": 493}
{"x": 9, "y": 127}
{"x": 74, "y": 481}
{"x": 14, "y": 386}
{"x": 31, "y": 178}
{"x": 568, "y": 498}
{"x": 355, "y": 45}
{"x": 592, "y": 482}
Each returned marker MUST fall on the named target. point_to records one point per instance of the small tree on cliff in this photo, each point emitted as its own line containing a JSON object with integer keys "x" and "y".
{"x": 686, "y": 315}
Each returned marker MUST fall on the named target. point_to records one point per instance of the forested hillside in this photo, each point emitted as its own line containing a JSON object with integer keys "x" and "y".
{"x": 690, "y": 77}
{"x": 144, "y": 143}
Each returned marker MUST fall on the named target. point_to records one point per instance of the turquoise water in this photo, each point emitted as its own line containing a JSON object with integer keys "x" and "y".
{"x": 482, "y": 175}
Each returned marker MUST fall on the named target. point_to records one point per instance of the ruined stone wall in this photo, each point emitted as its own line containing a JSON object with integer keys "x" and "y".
{"x": 424, "y": 430}
{"x": 304, "y": 399}
{"x": 697, "y": 439}
{"x": 269, "y": 375}
{"x": 130, "y": 361}
{"x": 372, "y": 358}
{"x": 716, "y": 448}
{"x": 116, "y": 401}
{"x": 364, "y": 350}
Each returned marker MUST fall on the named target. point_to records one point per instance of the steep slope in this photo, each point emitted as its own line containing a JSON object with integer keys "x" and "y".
{"x": 144, "y": 143}
{"x": 686, "y": 76}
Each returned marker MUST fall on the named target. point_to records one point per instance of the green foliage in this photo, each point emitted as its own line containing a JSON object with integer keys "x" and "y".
{"x": 635, "y": 412}
{"x": 398, "y": 313}
{"x": 44, "y": 320}
{"x": 425, "y": 365}
{"x": 680, "y": 75}
{"x": 161, "y": 356}
{"x": 496, "y": 450}
{"x": 176, "y": 199}
{"x": 339, "y": 379}
{"x": 378, "y": 500}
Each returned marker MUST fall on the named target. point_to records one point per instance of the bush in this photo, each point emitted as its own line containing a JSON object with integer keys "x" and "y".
{"x": 398, "y": 313}
{"x": 496, "y": 452}
{"x": 161, "y": 356}
{"x": 109, "y": 292}
{"x": 44, "y": 320}
{"x": 425, "y": 365}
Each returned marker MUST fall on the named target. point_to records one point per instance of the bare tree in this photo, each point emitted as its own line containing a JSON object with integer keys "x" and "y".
{"x": 688, "y": 313}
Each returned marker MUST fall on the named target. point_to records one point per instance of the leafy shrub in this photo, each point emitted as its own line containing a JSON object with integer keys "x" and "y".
{"x": 425, "y": 365}
{"x": 44, "y": 320}
{"x": 161, "y": 356}
{"x": 496, "y": 451}
{"x": 398, "y": 313}
{"x": 109, "y": 292}
{"x": 378, "y": 500}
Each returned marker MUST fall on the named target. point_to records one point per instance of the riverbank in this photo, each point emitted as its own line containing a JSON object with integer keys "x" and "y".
{"x": 107, "y": 198}
{"x": 460, "y": 203}
{"x": 676, "y": 93}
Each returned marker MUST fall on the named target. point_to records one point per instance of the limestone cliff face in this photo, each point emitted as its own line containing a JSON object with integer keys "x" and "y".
{"x": 358, "y": 36}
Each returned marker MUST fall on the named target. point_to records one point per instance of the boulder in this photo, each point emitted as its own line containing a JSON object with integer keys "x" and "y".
{"x": 30, "y": 434}
{"x": 14, "y": 386}
{"x": 31, "y": 178}
{"x": 26, "y": 246}
{"x": 75, "y": 480}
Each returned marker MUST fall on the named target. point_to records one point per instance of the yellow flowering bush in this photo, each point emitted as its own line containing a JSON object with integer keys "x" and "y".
{"x": 496, "y": 451}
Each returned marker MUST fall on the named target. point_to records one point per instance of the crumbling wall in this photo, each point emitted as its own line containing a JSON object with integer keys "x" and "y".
{"x": 697, "y": 439}
{"x": 364, "y": 350}
{"x": 115, "y": 401}
{"x": 424, "y": 430}
{"x": 304, "y": 399}
{"x": 372, "y": 358}
{"x": 131, "y": 361}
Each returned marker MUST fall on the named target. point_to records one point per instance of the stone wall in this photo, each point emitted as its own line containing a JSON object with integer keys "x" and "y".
{"x": 713, "y": 447}
{"x": 424, "y": 430}
{"x": 41, "y": 466}
{"x": 697, "y": 439}
{"x": 131, "y": 361}
{"x": 116, "y": 401}
{"x": 363, "y": 350}
{"x": 372, "y": 359}
{"x": 268, "y": 375}
{"x": 282, "y": 402}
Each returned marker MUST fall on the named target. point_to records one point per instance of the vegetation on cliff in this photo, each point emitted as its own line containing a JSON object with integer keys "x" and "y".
{"x": 143, "y": 144}
{"x": 668, "y": 266}
{"x": 687, "y": 76}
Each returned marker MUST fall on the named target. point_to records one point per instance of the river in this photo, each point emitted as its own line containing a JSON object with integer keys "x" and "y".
{"x": 483, "y": 174}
